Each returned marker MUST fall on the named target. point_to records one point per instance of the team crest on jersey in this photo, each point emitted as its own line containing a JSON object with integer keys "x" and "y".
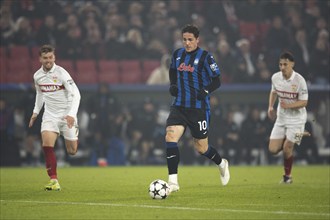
{"x": 55, "y": 79}
{"x": 294, "y": 88}
{"x": 196, "y": 61}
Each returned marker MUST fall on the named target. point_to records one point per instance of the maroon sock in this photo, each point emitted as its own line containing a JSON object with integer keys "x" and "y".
{"x": 288, "y": 165}
{"x": 51, "y": 163}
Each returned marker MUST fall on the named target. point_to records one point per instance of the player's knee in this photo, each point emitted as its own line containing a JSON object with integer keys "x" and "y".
{"x": 274, "y": 150}
{"x": 72, "y": 151}
{"x": 169, "y": 137}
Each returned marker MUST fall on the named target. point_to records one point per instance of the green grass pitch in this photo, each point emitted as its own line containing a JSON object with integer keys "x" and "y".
{"x": 253, "y": 192}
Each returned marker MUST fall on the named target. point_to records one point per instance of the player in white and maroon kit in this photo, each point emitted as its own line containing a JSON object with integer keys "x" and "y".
{"x": 60, "y": 96}
{"x": 291, "y": 89}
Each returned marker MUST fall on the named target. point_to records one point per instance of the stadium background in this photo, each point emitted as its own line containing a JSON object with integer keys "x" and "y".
{"x": 111, "y": 48}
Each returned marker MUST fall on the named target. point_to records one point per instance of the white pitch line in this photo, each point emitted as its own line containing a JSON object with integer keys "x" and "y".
{"x": 168, "y": 207}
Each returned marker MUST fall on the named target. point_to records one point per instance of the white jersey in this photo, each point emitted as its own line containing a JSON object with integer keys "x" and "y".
{"x": 289, "y": 91}
{"x": 57, "y": 91}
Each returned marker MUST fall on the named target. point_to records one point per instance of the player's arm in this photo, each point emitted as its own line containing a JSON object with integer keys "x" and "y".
{"x": 37, "y": 105}
{"x": 173, "y": 81}
{"x": 212, "y": 69}
{"x": 215, "y": 83}
{"x": 74, "y": 97}
{"x": 302, "y": 98}
{"x": 295, "y": 105}
{"x": 271, "y": 102}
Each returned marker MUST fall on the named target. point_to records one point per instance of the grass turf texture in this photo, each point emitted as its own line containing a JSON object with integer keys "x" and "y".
{"x": 122, "y": 193}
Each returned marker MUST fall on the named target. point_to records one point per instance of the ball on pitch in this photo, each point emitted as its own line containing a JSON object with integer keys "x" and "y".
{"x": 159, "y": 189}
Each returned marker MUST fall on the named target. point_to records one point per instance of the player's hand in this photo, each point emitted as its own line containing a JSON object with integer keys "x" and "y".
{"x": 69, "y": 121}
{"x": 284, "y": 105}
{"x": 202, "y": 94}
{"x": 306, "y": 134}
{"x": 271, "y": 113}
{"x": 32, "y": 119}
{"x": 174, "y": 90}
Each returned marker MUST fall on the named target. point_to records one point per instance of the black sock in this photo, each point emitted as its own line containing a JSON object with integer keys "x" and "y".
{"x": 173, "y": 157}
{"x": 213, "y": 155}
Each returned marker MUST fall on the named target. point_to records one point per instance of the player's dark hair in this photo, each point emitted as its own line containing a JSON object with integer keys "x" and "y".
{"x": 287, "y": 55}
{"x": 46, "y": 49}
{"x": 189, "y": 28}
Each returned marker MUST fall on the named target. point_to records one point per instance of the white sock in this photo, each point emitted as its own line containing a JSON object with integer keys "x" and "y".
{"x": 173, "y": 178}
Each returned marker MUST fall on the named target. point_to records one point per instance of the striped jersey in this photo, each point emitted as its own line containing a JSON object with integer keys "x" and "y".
{"x": 57, "y": 91}
{"x": 194, "y": 72}
{"x": 289, "y": 91}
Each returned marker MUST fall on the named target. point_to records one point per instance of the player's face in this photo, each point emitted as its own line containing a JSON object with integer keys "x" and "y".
{"x": 47, "y": 60}
{"x": 286, "y": 67}
{"x": 190, "y": 42}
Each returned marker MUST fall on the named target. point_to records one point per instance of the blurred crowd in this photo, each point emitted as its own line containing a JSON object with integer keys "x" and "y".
{"x": 132, "y": 133}
{"x": 245, "y": 37}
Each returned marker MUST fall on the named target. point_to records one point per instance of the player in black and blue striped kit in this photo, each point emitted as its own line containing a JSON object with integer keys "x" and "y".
{"x": 193, "y": 74}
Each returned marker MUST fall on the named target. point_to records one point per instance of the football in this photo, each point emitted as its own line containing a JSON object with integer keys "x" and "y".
{"x": 159, "y": 189}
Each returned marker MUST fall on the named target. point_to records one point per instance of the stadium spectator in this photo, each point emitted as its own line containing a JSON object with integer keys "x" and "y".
{"x": 319, "y": 63}
{"x": 9, "y": 145}
{"x": 301, "y": 48}
{"x": 93, "y": 45}
{"x": 231, "y": 139}
{"x": 277, "y": 39}
{"x": 24, "y": 34}
{"x": 7, "y": 25}
{"x": 142, "y": 129}
{"x": 48, "y": 32}
{"x": 31, "y": 146}
{"x": 159, "y": 76}
{"x": 134, "y": 44}
{"x": 250, "y": 11}
{"x": 252, "y": 134}
{"x": 272, "y": 9}
{"x": 227, "y": 60}
{"x": 246, "y": 71}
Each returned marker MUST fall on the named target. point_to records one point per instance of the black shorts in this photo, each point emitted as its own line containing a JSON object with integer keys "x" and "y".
{"x": 196, "y": 119}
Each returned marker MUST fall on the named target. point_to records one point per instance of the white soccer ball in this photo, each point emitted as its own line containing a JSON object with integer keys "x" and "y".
{"x": 159, "y": 189}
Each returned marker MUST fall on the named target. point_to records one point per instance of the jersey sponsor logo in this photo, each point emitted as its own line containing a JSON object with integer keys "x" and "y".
{"x": 51, "y": 88}
{"x": 178, "y": 58}
{"x": 188, "y": 68}
{"x": 287, "y": 95}
{"x": 214, "y": 66}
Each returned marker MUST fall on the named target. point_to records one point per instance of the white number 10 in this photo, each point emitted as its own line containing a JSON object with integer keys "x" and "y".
{"x": 202, "y": 125}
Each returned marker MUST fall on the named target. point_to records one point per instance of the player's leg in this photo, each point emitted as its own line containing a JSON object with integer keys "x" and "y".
{"x": 173, "y": 135}
{"x": 199, "y": 127}
{"x": 294, "y": 135}
{"x": 71, "y": 138}
{"x": 48, "y": 142}
{"x": 71, "y": 146}
{"x": 288, "y": 160}
{"x": 275, "y": 145}
{"x": 202, "y": 147}
{"x": 276, "y": 139}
